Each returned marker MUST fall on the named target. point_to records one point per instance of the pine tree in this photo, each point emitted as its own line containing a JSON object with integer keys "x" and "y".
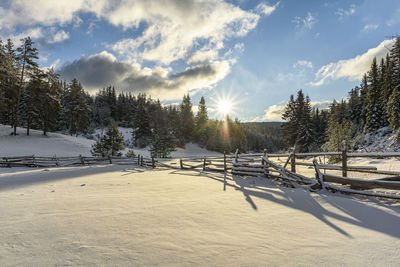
{"x": 364, "y": 88}
{"x": 30, "y": 99}
{"x": 49, "y": 102}
{"x": 201, "y": 122}
{"x": 76, "y": 109}
{"x": 297, "y": 130}
{"x": 395, "y": 60}
{"x": 288, "y": 127}
{"x": 394, "y": 108}
{"x": 376, "y": 113}
{"x": 141, "y": 131}
{"x": 110, "y": 144}
{"x": 9, "y": 71}
{"x": 187, "y": 119}
{"x": 305, "y": 137}
{"x": 26, "y": 55}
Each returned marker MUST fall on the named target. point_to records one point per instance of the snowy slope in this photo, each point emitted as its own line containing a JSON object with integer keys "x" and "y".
{"x": 37, "y": 144}
{"x": 119, "y": 216}
{"x": 66, "y": 145}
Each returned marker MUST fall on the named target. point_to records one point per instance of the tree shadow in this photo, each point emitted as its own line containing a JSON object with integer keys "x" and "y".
{"x": 26, "y": 177}
{"x": 359, "y": 213}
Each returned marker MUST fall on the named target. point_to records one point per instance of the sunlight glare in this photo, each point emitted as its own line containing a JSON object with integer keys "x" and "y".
{"x": 224, "y": 107}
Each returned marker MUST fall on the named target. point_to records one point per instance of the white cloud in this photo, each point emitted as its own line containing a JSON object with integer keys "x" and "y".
{"x": 341, "y": 12}
{"x": 191, "y": 32}
{"x": 274, "y": 112}
{"x": 305, "y": 23}
{"x": 100, "y": 70}
{"x": 194, "y": 30}
{"x": 370, "y": 27}
{"x": 303, "y": 63}
{"x": 353, "y": 68}
{"x": 59, "y": 37}
{"x": 173, "y": 29}
{"x": 266, "y": 9}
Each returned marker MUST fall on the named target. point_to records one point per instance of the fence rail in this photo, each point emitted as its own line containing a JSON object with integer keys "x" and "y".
{"x": 256, "y": 164}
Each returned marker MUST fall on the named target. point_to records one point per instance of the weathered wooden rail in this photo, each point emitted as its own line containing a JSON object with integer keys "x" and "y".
{"x": 255, "y": 164}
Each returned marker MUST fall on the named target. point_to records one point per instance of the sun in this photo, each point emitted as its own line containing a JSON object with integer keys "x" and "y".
{"x": 224, "y": 107}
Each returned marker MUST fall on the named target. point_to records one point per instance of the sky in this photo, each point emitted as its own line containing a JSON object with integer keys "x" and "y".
{"x": 253, "y": 54}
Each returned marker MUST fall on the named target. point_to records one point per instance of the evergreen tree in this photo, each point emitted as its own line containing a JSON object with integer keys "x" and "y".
{"x": 141, "y": 131}
{"x": 364, "y": 88}
{"x": 376, "y": 112}
{"x": 297, "y": 130}
{"x": 395, "y": 60}
{"x": 9, "y": 75}
{"x": 30, "y": 100}
{"x": 288, "y": 127}
{"x": 187, "y": 120}
{"x": 110, "y": 144}
{"x": 49, "y": 102}
{"x": 305, "y": 137}
{"x": 76, "y": 109}
{"x": 201, "y": 122}
{"x": 26, "y": 56}
{"x": 394, "y": 108}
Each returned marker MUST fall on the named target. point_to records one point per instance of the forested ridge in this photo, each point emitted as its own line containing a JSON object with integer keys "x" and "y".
{"x": 371, "y": 107}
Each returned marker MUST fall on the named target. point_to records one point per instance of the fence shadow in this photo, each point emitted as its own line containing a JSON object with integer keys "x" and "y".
{"x": 356, "y": 212}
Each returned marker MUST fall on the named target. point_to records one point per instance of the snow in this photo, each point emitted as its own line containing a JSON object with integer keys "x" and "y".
{"x": 38, "y": 144}
{"x": 66, "y": 145}
{"x": 130, "y": 216}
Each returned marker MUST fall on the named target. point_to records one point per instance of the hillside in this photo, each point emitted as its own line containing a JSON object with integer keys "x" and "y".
{"x": 66, "y": 145}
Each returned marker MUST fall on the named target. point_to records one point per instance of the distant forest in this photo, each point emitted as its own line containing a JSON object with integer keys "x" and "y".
{"x": 35, "y": 98}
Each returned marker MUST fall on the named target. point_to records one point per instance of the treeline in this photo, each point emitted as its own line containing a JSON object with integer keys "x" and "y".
{"x": 35, "y": 98}
{"x": 371, "y": 106}
{"x": 264, "y": 135}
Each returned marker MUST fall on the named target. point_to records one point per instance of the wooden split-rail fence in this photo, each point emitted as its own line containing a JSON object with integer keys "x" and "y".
{"x": 254, "y": 164}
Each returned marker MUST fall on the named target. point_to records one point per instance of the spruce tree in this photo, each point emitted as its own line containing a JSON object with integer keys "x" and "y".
{"x": 187, "y": 120}
{"x": 288, "y": 127}
{"x": 26, "y": 56}
{"x": 201, "y": 122}
{"x": 376, "y": 113}
{"x": 110, "y": 144}
{"x": 394, "y": 108}
{"x": 141, "y": 131}
{"x": 395, "y": 59}
{"x": 49, "y": 102}
{"x": 76, "y": 109}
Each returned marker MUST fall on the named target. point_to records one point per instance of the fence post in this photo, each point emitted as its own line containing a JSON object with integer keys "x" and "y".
{"x": 109, "y": 158}
{"x": 82, "y": 160}
{"x": 57, "y": 160}
{"x": 138, "y": 159}
{"x": 224, "y": 161}
{"x": 264, "y": 162}
{"x": 237, "y": 155}
{"x": 293, "y": 162}
{"x": 344, "y": 159}
{"x": 181, "y": 163}
{"x": 34, "y": 161}
{"x": 141, "y": 160}
{"x": 153, "y": 164}
{"x": 204, "y": 164}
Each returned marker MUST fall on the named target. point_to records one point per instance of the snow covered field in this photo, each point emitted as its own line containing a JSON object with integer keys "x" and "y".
{"x": 123, "y": 216}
